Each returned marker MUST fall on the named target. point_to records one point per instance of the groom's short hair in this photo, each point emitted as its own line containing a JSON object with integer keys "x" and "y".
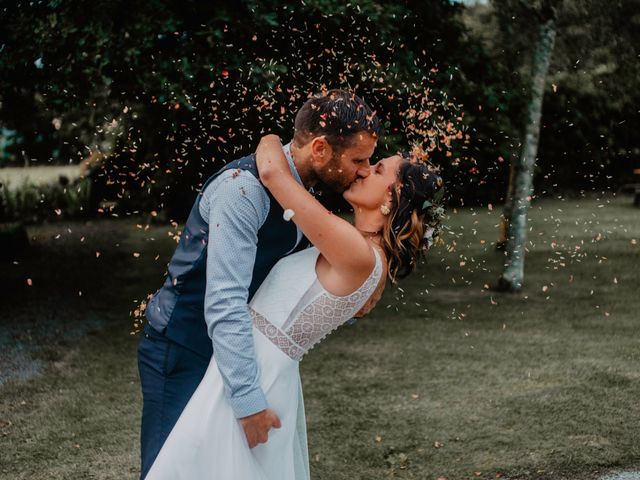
{"x": 337, "y": 115}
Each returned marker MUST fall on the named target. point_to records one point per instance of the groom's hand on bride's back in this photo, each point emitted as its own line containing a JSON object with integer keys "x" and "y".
{"x": 372, "y": 302}
{"x": 256, "y": 427}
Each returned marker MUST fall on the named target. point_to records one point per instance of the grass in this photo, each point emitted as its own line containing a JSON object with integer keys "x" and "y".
{"x": 445, "y": 379}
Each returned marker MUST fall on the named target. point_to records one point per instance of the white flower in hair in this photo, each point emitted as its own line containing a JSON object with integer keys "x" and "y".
{"x": 428, "y": 236}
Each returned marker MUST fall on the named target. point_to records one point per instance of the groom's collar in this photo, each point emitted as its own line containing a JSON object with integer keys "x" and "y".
{"x": 287, "y": 153}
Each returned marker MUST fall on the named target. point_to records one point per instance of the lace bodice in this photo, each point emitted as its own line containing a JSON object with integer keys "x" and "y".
{"x": 295, "y": 312}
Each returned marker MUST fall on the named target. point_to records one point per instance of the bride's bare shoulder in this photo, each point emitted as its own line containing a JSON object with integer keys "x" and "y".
{"x": 343, "y": 281}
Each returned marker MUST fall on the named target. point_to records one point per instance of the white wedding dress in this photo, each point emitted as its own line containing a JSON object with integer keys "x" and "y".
{"x": 291, "y": 313}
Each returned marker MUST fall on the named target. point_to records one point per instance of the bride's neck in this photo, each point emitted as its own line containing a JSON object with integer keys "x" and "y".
{"x": 367, "y": 221}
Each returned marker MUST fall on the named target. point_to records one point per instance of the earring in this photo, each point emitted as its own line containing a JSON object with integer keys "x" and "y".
{"x": 385, "y": 210}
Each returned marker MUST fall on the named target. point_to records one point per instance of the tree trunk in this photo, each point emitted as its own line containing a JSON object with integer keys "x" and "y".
{"x": 513, "y": 275}
{"x": 501, "y": 244}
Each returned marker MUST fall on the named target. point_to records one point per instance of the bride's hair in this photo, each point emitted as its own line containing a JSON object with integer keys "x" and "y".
{"x": 414, "y": 219}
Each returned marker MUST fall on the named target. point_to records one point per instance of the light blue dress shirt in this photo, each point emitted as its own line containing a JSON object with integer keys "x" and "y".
{"x": 235, "y": 205}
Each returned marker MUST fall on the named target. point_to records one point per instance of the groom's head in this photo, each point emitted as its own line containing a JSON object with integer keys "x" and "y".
{"x": 337, "y": 132}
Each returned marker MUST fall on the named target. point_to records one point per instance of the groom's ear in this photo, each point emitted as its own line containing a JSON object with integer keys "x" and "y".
{"x": 321, "y": 151}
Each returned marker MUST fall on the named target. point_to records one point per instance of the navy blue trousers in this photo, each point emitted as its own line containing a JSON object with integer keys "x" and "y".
{"x": 169, "y": 374}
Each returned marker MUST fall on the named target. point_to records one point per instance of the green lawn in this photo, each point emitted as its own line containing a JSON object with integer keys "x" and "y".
{"x": 445, "y": 379}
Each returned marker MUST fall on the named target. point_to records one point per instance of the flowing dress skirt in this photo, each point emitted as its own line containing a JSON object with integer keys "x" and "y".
{"x": 208, "y": 442}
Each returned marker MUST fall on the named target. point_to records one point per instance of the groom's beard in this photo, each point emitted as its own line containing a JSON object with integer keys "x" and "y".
{"x": 332, "y": 175}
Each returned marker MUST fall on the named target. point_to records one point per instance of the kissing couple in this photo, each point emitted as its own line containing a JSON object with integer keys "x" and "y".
{"x": 262, "y": 273}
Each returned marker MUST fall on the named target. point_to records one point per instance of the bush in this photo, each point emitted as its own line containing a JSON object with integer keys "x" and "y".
{"x": 30, "y": 203}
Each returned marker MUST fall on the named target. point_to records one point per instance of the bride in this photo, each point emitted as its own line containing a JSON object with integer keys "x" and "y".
{"x": 304, "y": 298}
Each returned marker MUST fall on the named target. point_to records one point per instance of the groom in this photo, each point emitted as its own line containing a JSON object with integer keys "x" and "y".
{"x": 234, "y": 235}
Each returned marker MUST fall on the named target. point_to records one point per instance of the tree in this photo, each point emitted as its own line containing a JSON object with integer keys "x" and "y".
{"x": 521, "y": 189}
{"x": 187, "y": 86}
{"x": 590, "y": 105}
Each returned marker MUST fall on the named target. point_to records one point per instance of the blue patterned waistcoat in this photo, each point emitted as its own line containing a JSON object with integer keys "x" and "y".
{"x": 179, "y": 304}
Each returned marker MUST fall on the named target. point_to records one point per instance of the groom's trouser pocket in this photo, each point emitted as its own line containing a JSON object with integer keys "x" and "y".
{"x": 152, "y": 351}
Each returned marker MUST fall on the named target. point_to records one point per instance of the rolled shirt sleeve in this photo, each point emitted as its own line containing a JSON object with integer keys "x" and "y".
{"x": 235, "y": 205}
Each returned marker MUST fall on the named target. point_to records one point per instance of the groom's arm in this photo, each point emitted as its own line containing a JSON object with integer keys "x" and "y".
{"x": 237, "y": 207}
